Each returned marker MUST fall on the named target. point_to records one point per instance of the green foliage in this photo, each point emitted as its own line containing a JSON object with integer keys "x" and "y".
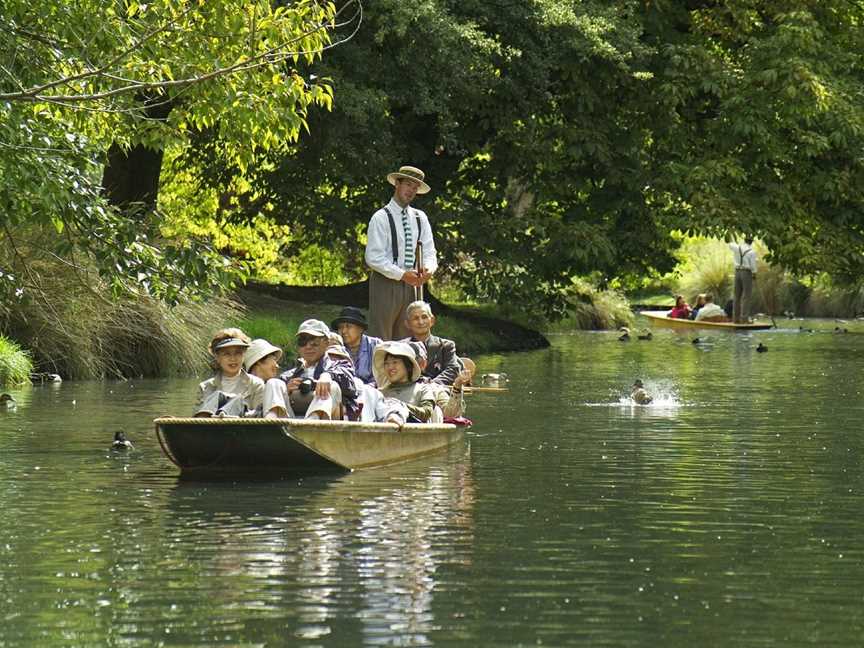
{"x": 593, "y": 309}
{"x": 79, "y": 78}
{"x": 706, "y": 268}
{"x": 15, "y": 363}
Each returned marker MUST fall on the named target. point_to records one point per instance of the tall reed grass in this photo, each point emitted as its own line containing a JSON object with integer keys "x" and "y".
{"x": 593, "y": 309}
{"x": 77, "y": 330}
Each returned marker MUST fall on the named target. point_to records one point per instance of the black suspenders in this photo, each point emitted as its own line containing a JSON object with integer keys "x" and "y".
{"x": 394, "y": 245}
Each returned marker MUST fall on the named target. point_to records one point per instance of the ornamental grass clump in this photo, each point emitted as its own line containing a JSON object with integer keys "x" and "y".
{"x": 15, "y": 363}
{"x": 75, "y": 328}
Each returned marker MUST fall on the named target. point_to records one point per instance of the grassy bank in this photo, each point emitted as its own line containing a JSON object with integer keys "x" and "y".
{"x": 277, "y": 320}
{"x": 15, "y": 364}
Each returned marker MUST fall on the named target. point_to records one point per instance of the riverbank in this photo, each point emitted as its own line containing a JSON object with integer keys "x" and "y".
{"x": 275, "y": 311}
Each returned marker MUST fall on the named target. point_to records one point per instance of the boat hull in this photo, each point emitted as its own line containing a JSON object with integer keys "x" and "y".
{"x": 659, "y": 318}
{"x": 215, "y": 445}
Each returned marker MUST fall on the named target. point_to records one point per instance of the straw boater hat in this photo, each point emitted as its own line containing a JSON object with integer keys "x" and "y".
{"x": 258, "y": 350}
{"x": 401, "y": 349}
{"x": 412, "y": 173}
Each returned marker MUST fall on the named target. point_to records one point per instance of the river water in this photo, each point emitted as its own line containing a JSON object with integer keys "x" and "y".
{"x": 728, "y": 513}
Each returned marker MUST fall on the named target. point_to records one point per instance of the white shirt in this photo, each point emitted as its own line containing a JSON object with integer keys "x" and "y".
{"x": 379, "y": 249}
{"x": 709, "y": 310}
{"x": 743, "y": 257}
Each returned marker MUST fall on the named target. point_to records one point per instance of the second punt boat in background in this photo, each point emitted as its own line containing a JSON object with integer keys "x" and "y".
{"x": 660, "y": 318}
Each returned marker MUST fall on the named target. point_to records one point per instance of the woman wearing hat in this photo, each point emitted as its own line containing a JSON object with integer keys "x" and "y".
{"x": 396, "y": 371}
{"x": 351, "y": 325}
{"x": 396, "y": 275}
{"x": 231, "y": 391}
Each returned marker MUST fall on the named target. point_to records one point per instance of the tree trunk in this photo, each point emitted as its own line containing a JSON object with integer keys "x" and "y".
{"x": 131, "y": 178}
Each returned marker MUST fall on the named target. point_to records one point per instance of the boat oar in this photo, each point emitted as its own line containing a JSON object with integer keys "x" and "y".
{"x": 468, "y": 389}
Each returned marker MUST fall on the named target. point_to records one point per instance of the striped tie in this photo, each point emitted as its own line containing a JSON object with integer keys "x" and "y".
{"x": 409, "y": 241}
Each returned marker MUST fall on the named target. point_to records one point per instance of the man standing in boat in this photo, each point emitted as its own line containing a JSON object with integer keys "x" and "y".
{"x": 744, "y": 262}
{"x": 399, "y": 266}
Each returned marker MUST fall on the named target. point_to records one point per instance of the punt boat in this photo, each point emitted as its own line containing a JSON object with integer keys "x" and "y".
{"x": 200, "y": 446}
{"x": 660, "y": 318}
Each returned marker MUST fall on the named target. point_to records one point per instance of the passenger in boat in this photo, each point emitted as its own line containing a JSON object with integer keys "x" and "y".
{"x": 638, "y": 394}
{"x": 443, "y": 364}
{"x": 448, "y": 397}
{"x": 231, "y": 391}
{"x": 262, "y": 360}
{"x": 711, "y": 312}
{"x": 320, "y": 386}
{"x": 397, "y": 374}
{"x": 681, "y": 310}
{"x": 351, "y": 325}
{"x": 700, "y": 302}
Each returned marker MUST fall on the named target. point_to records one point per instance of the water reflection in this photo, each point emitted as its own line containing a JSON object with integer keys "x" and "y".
{"x": 370, "y": 542}
{"x": 726, "y": 515}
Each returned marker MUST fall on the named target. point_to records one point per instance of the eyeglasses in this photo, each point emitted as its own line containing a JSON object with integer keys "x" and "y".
{"x": 313, "y": 341}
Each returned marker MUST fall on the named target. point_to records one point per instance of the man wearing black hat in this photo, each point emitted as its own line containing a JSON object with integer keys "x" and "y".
{"x": 351, "y": 325}
{"x": 398, "y": 269}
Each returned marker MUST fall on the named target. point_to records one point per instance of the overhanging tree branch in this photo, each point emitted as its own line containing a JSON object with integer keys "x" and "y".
{"x": 272, "y": 56}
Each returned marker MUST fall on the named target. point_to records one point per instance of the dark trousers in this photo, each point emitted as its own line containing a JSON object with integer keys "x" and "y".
{"x": 742, "y": 299}
{"x": 387, "y": 302}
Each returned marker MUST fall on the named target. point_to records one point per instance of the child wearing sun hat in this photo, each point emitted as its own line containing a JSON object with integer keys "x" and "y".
{"x": 230, "y": 391}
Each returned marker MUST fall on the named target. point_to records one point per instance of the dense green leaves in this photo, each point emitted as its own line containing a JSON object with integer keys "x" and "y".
{"x": 81, "y": 77}
{"x": 561, "y": 138}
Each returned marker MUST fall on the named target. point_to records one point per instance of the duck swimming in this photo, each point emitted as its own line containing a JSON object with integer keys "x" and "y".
{"x": 645, "y": 335}
{"x": 625, "y": 334}
{"x": 121, "y": 442}
{"x": 7, "y": 401}
{"x": 761, "y": 348}
{"x": 639, "y": 395}
{"x": 494, "y": 378}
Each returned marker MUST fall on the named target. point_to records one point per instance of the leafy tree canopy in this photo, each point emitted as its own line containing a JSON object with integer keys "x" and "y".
{"x": 81, "y": 77}
{"x": 568, "y": 138}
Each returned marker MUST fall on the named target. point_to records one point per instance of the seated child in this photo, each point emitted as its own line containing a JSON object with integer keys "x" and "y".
{"x": 262, "y": 360}
{"x": 394, "y": 365}
{"x": 231, "y": 391}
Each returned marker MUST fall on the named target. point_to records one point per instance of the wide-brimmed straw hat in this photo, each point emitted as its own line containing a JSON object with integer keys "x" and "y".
{"x": 258, "y": 350}
{"x": 411, "y": 173}
{"x": 350, "y": 315}
{"x": 400, "y": 349}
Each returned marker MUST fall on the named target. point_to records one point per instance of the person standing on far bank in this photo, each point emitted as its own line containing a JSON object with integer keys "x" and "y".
{"x": 744, "y": 261}
{"x": 397, "y": 276}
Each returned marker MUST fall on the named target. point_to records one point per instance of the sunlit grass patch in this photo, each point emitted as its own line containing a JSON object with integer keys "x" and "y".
{"x": 15, "y": 363}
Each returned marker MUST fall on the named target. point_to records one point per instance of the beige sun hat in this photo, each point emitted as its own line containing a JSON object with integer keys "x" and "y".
{"x": 412, "y": 173}
{"x": 401, "y": 349}
{"x": 313, "y": 327}
{"x": 258, "y": 350}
